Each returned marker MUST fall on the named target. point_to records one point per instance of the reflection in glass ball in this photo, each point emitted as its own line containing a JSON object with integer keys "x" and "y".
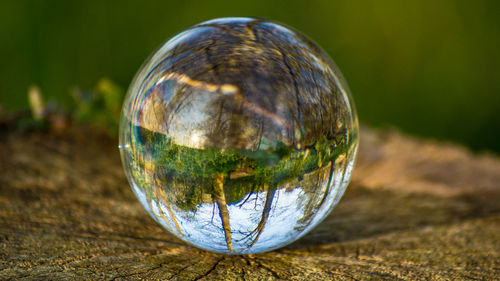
{"x": 238, "y": 135}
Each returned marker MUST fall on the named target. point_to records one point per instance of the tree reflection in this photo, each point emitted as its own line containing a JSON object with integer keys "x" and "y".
{"x": 265, "y": 116}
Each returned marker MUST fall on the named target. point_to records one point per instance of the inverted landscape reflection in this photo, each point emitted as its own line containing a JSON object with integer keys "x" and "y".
{"x": 238, "y": 135}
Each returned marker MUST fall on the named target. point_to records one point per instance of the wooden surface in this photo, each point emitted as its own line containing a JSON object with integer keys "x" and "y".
{"x": 415, "y": 209}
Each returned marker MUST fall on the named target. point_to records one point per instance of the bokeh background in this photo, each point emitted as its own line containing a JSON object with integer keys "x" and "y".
{"x": 429, "y": 68}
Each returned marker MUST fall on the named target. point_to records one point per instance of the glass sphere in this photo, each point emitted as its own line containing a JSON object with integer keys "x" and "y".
{"x": 238, "y": 135}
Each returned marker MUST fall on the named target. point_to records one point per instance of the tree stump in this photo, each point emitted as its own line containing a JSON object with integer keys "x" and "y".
{"x": 415, "y": 209}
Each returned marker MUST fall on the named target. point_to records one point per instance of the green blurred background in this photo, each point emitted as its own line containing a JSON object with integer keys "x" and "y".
{"x": 429, "y": 68}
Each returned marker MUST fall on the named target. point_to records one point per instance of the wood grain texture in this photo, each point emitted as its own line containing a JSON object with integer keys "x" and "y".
{"x": 416, "y": 209}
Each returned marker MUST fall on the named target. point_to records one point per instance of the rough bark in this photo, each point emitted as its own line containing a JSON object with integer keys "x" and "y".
{"x": 416, "y": 209}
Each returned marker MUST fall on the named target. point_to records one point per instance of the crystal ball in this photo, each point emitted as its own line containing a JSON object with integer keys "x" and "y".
{"x": 238, "y": 135}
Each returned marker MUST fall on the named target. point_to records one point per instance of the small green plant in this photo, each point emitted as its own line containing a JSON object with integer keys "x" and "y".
{"x": 100, "y": 107}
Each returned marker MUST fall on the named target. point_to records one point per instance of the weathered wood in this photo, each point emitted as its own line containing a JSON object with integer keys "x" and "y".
{"x": 416, "y": 209}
